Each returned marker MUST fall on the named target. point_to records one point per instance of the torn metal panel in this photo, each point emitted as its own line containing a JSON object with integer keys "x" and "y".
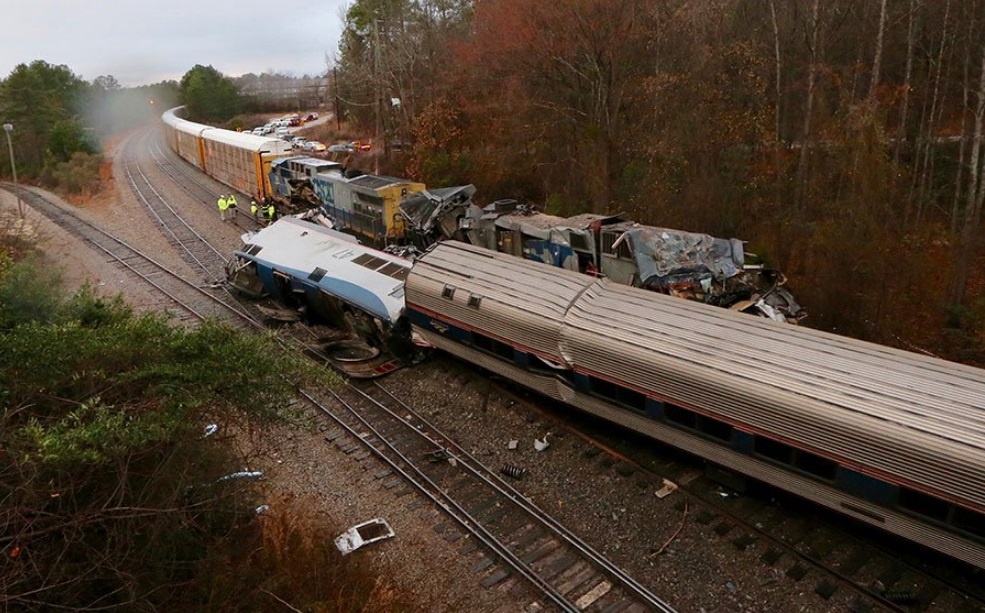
{"x": 363, "y": 534}
{"x": 435, "y": 213}
{"x": 664, "y": 257}
{"x": 707, "y": 269}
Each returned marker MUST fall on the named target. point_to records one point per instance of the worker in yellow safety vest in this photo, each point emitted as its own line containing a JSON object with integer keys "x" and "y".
{"x": 255, "y": 210}
{"x": 271, "y": 213}
{"x": 231, "y": 202}
{"x": 223, "y": 207}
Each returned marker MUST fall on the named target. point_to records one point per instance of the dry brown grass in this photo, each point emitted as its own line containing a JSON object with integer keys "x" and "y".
{"x": 286, "y": 559}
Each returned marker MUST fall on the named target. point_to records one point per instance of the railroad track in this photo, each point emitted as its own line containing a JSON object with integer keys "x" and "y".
{"x": 820, "y": 551}
{"x": 193, "y": 247}
{"x": 184, "y": 300}
{"x": 519, "y": 538}
{"x": 190, "y": 180}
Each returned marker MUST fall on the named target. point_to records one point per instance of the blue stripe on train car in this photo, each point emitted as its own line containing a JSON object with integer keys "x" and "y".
{"x": 351, "y": 293}
{"x": 866, "y": 487}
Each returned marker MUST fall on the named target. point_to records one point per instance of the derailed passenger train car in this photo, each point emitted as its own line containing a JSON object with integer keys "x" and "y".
{"x": 328, "y": 277}
{"x": 890, "y": 438}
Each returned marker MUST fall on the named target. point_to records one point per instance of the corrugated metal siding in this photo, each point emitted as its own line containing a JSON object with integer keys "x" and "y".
{"x": 910, "y": 416}
{"x": 522, "y": 303}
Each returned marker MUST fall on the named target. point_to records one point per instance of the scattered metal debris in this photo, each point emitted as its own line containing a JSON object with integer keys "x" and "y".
{"x": 669, "y": 487}
{"x": 512, "y": 470}
{"x": 363, "y": 534}
{"x": 260, "y": 510}
{"x": 512, "y": 445}
{"x": 438, "y": 455}
{"x": 542, "y": 444}
{"x": 210, "y": 430}
{"x": 243, "y": 474}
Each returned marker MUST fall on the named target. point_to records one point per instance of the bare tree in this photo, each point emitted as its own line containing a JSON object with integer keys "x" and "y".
{"x": 813, "y": 53}
{"x": 975, "y": 195}
{"x": 877, "y": 61}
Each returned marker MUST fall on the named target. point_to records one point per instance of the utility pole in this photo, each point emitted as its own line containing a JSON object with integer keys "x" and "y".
{"x": 379, "y": 87}
{"x": 8, "y": 128}
{"x": 338, "y": 117}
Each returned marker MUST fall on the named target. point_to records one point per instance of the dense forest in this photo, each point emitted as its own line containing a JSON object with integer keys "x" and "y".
{"x": 841, "y": 138}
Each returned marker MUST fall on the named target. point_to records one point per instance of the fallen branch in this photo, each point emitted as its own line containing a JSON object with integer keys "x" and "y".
{"x": 672, "y": 536}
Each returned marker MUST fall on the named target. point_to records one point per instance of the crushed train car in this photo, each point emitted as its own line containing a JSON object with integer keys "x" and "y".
{"x": 684, "y": 264}
{"x": 327, "y": 277}
{"x": 361, "y": 204}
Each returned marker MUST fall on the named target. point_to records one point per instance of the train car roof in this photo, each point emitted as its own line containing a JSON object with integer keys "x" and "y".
{"x": 531, "y": 300}
{"x": 250, "y": 142}
{"x": 918, "y": 418}
{"x": 367, "y": 279}
{"x": 306, "y": 160}
{"x": 171, "y": 118}
{"x": 241, "y": 140}
{"x": 377, "y": 182}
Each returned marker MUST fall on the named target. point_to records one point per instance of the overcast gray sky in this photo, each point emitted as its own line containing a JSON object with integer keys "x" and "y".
{"x": 142, "y": 41}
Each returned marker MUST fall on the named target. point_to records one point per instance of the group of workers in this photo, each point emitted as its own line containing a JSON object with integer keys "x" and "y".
{"x": 263, "y": 211}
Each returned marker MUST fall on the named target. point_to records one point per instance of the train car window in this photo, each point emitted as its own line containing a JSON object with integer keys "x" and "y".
{"x": 773, "y": 450}
{"x": 254, "y": 249}
{"x": 816, "y": 465}
{"x": 715, "y": 428}
{"x": 618, "y": 394}
{"x": 448, "y": 292}
{"x": 370, "y": 261}
{"x": 578, "y": 241}
{"x": 681, "y": 417}
{"x": 969, "y": 521}
{"x": 922, "y": 504}
{"x": 621, "y": 251}
{"x": 394, "y": 270}
{"x": 401, "y": 275}
{"x": 317, "y": 274}
{"x": 474, "y": 300}
{"x": 491, "y": 345}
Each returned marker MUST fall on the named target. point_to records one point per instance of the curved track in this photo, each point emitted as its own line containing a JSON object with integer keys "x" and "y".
{"x": 186, "y": 301}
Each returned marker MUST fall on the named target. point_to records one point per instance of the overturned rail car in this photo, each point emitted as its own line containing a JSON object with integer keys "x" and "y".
{"x": 327, "y": 277}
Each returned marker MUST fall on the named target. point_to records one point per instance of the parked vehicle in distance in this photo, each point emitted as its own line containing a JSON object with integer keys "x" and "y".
{"x": 313, "y": 145}
{"x": 344, "y": 148}
{"x": 299, "y": 142}
{"x": 282, "y": 132}
{"x": 311, "y": 117}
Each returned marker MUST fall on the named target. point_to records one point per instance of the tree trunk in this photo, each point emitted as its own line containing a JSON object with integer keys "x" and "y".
{"x": 777, "y": 136}
{"x": 808, "y": 106}
{"x": 972, "y": 221}
{"x": 929, "y": 141}
{"x": 905, "y": 106}
{"x": 877, "y": 61}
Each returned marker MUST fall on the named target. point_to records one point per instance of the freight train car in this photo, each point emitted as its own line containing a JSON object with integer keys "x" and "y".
{"x": 237, "y": 159}
{"x": 889, "y": 438}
